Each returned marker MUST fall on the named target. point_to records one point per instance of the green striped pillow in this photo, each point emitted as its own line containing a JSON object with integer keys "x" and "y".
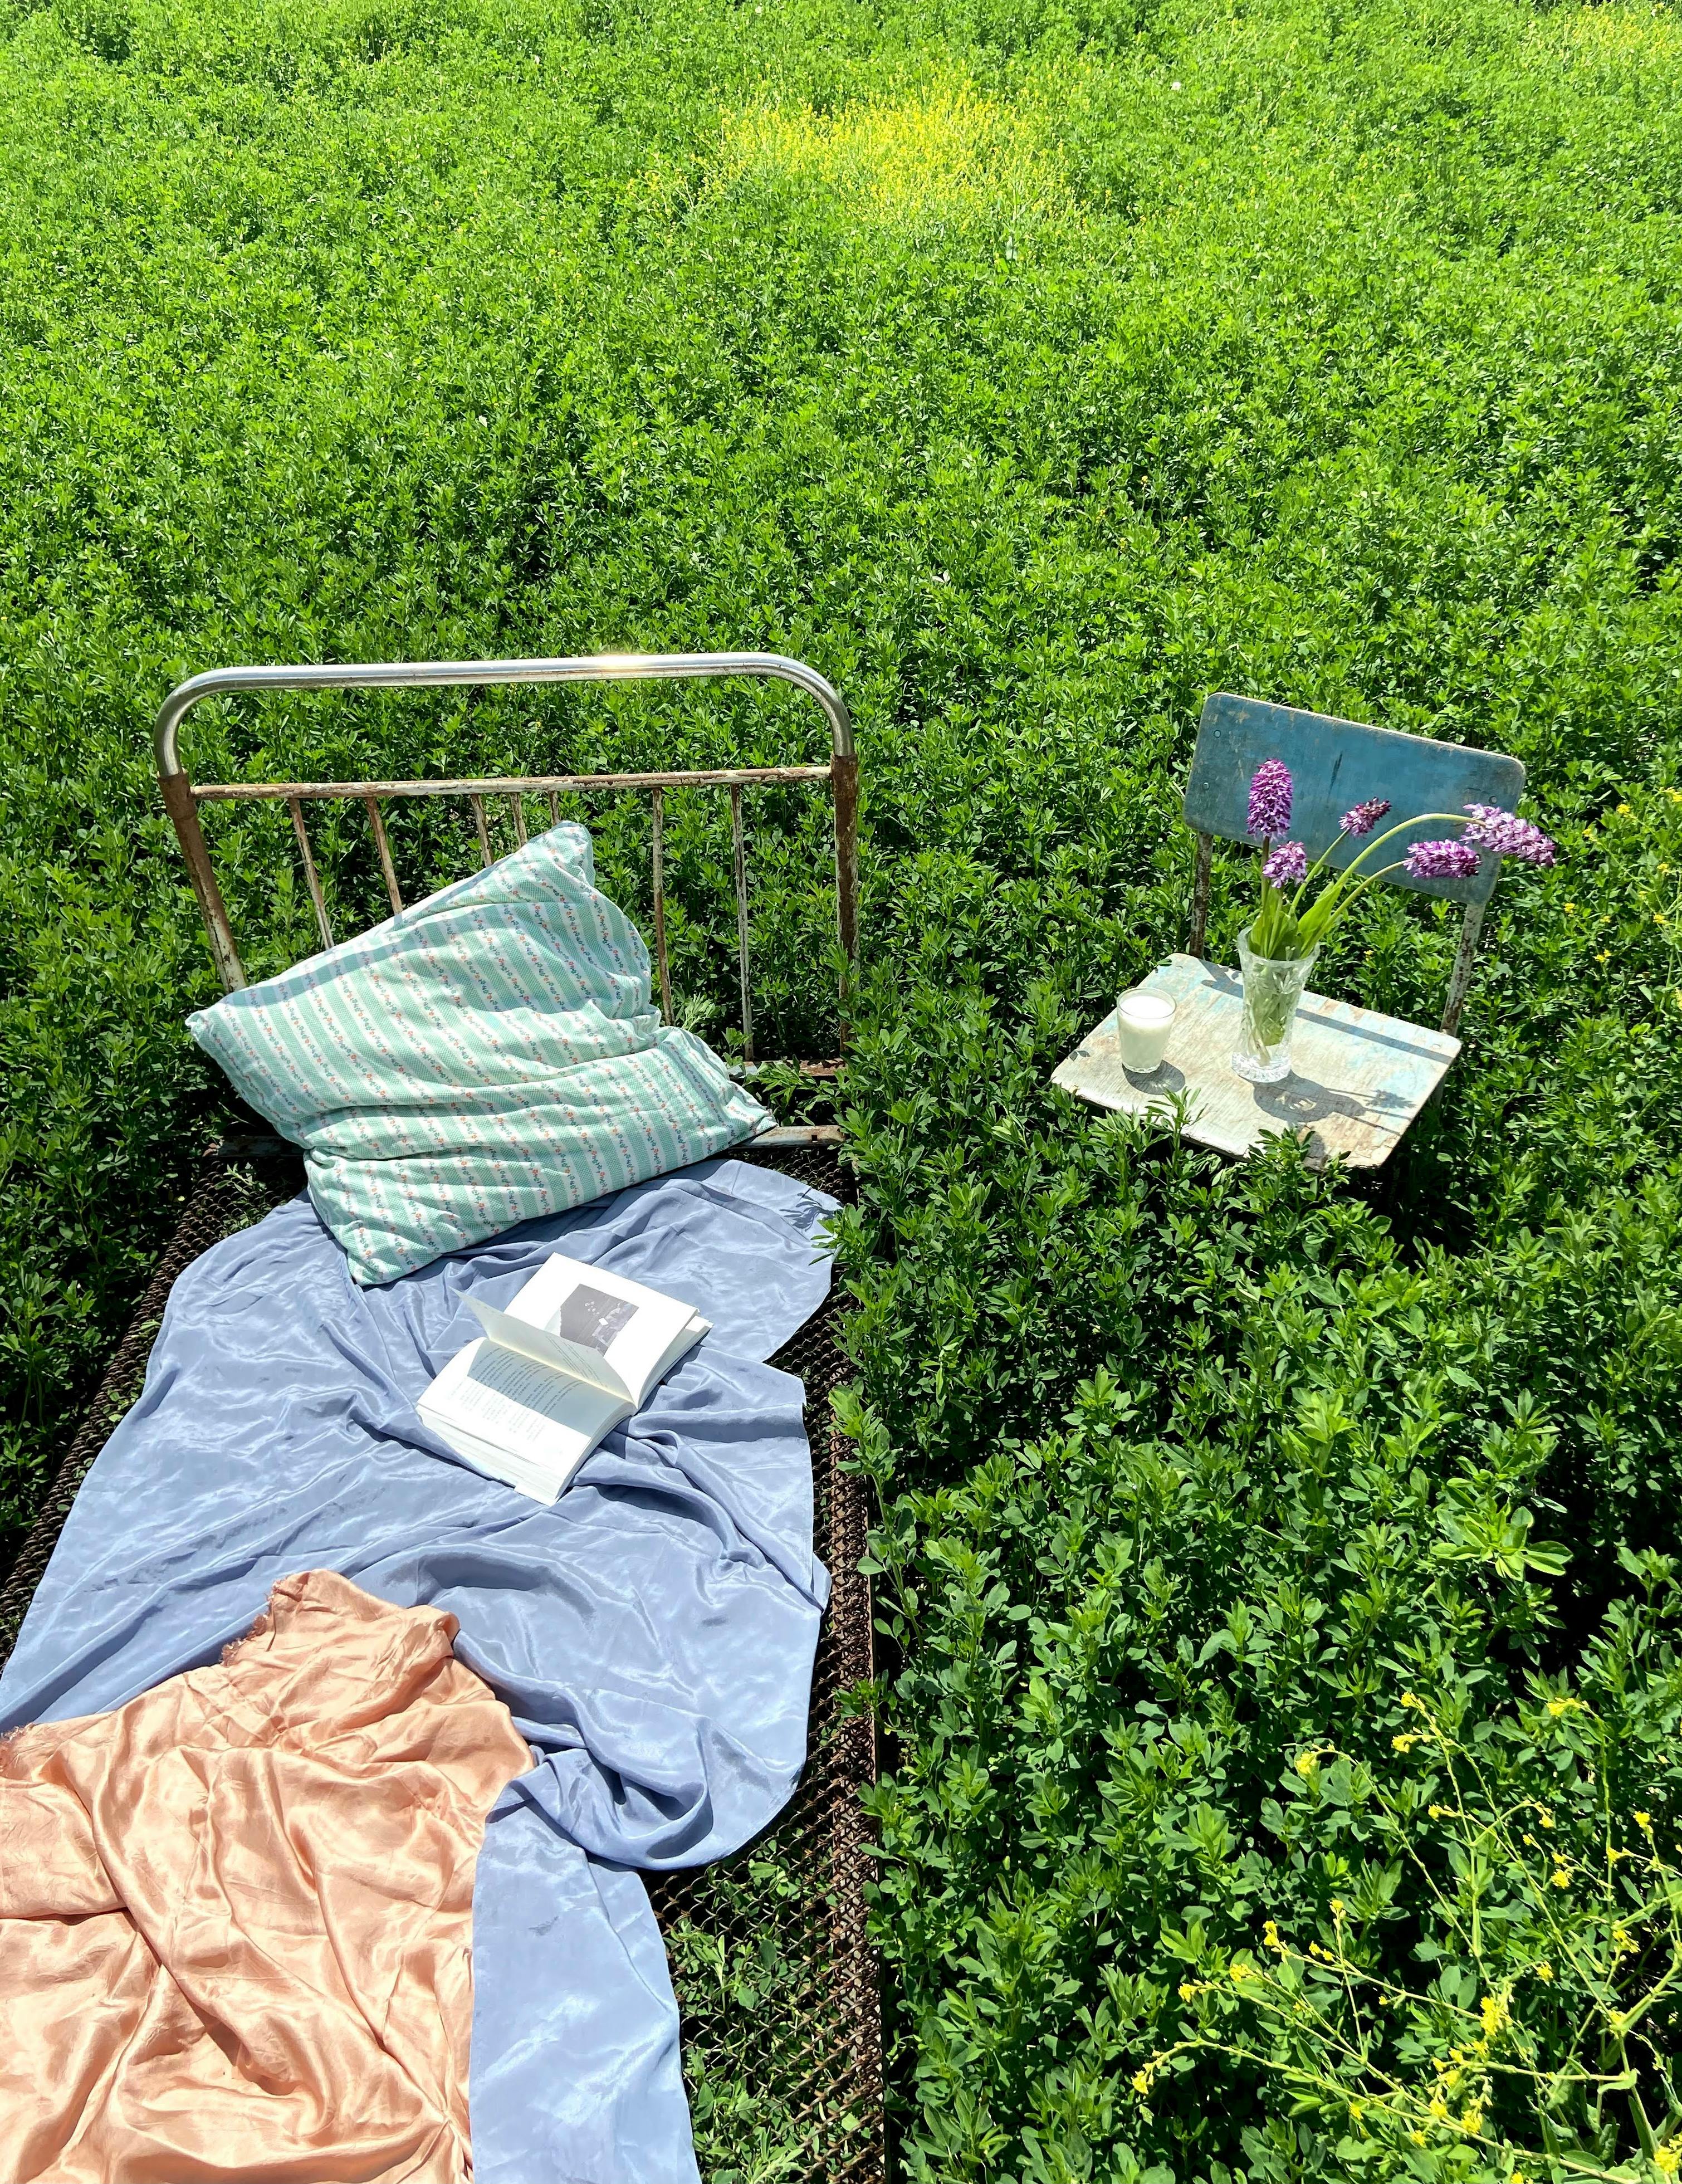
{"x": 488, "y": 1055}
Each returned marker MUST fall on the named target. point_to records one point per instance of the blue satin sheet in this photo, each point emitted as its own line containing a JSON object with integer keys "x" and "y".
{"x": 652, "y": 1634}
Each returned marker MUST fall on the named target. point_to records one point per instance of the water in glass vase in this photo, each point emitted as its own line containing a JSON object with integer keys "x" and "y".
{"x": 1273, "y": 987}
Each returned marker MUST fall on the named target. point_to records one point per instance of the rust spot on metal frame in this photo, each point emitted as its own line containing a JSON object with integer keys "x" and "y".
{"x": 377, "y": 823}
{"x": 309, "y": 872}
{"x": 657, "y": 799}
{"x": 740, "y": 859}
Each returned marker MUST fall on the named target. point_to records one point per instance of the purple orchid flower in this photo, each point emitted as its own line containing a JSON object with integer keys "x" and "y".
{"x": 1270, "y": 795}
{"x": 1288, "y": 865}
{"x": 1366, "y": 816}
{"x": 1442, "y": 861}
{"x": 1507, "y": 835}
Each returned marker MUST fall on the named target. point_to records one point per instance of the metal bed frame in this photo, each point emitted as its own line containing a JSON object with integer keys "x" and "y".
{"x": 183, "y": 796}
{"x": 817, "y": 2058}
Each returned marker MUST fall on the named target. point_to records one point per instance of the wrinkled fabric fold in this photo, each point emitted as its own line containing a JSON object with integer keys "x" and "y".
{"x": 652, "y": 1634}
{"x": 235, "y": 1914}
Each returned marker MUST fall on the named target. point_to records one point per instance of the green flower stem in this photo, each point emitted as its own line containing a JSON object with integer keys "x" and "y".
{"x": 1318, "y": 864}
{"x": 1285, "y": 933}
{"x": 1274, "y": 933}
{"x": 1296, "y": 931}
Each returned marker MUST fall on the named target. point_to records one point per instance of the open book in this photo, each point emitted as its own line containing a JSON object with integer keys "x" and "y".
{"x": 576, "y": 1352}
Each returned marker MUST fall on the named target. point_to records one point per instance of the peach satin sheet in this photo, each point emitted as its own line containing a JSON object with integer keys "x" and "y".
{"x": 235, "y": 1915}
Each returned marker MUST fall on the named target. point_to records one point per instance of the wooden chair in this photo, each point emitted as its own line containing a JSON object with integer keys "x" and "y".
{"x": 1359, "y": 1077}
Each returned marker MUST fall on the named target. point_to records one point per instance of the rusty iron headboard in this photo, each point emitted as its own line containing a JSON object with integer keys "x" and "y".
{"x": 182, "y": 797}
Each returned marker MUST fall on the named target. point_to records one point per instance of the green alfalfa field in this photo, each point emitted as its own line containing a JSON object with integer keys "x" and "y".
{"x": 1280, "y": 1696}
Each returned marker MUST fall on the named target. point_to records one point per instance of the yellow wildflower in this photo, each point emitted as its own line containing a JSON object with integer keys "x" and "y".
{"x": 1473, "y": 2121}
{"x": 1337, "y": 1907}
{"x": 1270, "y": 1935}
{"x": 1623, "y": 812}
{"x": 1408, "y": 1700}
{"x": 1306, "y": 1762}
{"x": 1666, "y": 2159}
{"x": 1404, "y": 1743}
{"x": 1187, "y": 1991}
{"x": 1560, "y": 1875}
{"x": 1417, "y": 2137}
{"x": 1547, "y": 1819}
{"x": 1555, "y": 1707}
{"x": 1643, "y": 1821}
{"x": 1141, "y": 2081}
{"x": 1544, "y": 1971}
{"x": 1493, "y": 2010}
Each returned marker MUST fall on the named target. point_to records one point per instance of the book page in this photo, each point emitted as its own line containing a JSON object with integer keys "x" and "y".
{"x": 544, "y": 1482}
{"x": 553, "y": 1352}
{"x": 500, "y": 1396}
{"x": 635, "y": 1330}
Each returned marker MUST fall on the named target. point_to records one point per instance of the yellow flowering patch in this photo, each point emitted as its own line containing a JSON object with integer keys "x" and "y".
{"x": 945, "y": 154}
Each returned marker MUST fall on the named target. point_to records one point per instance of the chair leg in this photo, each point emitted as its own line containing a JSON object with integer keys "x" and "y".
{"x": 1200, "y": 894}
{"x": 1461, "y": 977}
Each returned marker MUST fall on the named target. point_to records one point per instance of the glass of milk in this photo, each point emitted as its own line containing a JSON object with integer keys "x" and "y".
{"x": 1143, "y": 1022}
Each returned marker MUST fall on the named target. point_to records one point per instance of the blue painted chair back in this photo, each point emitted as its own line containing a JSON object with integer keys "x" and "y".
{"x": 1334, "y": 764}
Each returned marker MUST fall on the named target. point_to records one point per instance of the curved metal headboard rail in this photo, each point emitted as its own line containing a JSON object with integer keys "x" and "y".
{"x": 181, "y": 797}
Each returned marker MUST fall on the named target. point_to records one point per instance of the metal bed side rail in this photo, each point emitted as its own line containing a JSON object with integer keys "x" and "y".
{"x": 182, "y": 797}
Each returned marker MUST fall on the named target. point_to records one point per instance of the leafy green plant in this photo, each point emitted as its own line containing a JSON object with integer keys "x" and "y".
{"x": 1032, "y": 367}
{"x": 1544, "y": 2038}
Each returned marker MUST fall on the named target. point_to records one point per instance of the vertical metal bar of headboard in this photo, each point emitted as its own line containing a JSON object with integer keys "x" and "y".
{"x": 181, "y": 804}
{"x": 554, "y": 807}
{"x": 183, "y": 809}
{"x": 309, "y": 873}
{"x": 519, "y": 803}
{"x": 1199, "y": 895}
{"x": 478, "y": 804}
{"x": 377, "y": 820}
{"x": 658, "y": 797}
{"x": 739, "y": 854}
{"x": 1461, "y": 978}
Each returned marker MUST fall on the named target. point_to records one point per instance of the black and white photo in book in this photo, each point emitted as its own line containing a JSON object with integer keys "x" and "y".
{"x": 591, "y": 1316}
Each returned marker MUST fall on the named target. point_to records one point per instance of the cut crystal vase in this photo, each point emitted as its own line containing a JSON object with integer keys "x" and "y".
{"x": 1273, "y": 987}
